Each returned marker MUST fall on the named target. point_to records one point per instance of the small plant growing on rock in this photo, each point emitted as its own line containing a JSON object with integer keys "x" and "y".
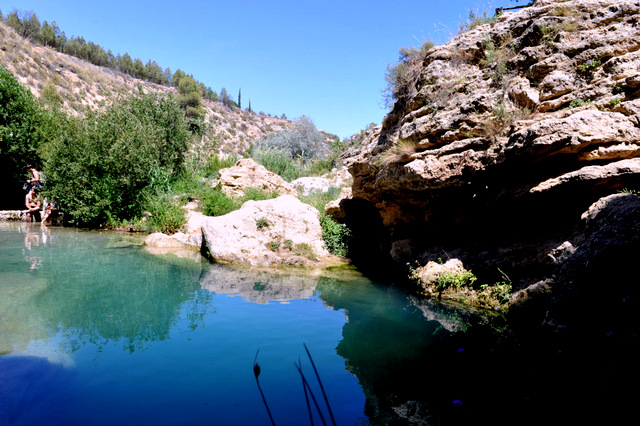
{"x": 305, "y": 250}
{"x": 273, "y": 245}
{"x": 589, "y": 65}
{"x": 615, "y": 101}
{"x": 475, "y": 19}
{"x": 455, "y": 280}
{"x": 400, "y": 152}
{"x": 288, "y": 245}
{"x": 402, "y": 77}
{"x": 262, "y": 223}
{"x": 579, "y": 102}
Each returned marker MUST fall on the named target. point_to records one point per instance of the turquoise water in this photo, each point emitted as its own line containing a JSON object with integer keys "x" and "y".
{"x": 96, "y": 330}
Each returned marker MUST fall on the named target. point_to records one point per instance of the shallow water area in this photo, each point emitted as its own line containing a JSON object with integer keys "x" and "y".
{"x": 96, "y": 330}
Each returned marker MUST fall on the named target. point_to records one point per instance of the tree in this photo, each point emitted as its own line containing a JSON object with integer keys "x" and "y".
{"x": 26, "y": 24}
{"x": 224, "y": 97}
{"x": 101, "y": 168}
{"x": 240, "y": 98}
{"x": 47, "y": 35}
{"x": 20, "y": 139}
{"x": 125, "y": 64}
{"x": 303, "y": 142}
{"x": 177, "y": 76}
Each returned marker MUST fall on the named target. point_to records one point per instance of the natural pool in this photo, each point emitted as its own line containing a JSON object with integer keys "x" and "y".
{"x": 96, "y": 330}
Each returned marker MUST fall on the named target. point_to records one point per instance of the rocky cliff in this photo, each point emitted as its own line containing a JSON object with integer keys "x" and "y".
{"x": 506, "y": 135}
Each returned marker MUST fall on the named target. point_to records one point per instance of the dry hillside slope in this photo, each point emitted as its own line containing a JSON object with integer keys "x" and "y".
{"x": 81, "y": 85}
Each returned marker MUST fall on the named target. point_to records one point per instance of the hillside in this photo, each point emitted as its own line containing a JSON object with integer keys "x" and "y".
{"x": 81, "y": 85}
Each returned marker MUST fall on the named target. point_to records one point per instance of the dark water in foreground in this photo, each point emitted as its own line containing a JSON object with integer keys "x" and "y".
{"x": 96, "y": 330}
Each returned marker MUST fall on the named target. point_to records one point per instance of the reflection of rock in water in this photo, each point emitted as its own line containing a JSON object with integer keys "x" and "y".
{"x": 413, "y": 357}
{"x": 452, "y": 318}
{"x": 259, "y": 285}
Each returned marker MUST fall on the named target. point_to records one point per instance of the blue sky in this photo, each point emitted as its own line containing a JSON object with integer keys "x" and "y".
{"x": 323, "y": 59}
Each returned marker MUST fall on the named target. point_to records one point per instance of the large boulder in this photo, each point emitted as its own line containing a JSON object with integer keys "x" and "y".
{"x": 246, "y": 173}
{"x": 280, "y": 231}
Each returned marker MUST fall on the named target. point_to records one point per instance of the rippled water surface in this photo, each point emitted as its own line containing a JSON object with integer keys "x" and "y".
{"x": 96, "y": 330}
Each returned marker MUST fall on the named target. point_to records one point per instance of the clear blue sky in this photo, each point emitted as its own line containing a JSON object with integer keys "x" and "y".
{"x": 325, "y": 59}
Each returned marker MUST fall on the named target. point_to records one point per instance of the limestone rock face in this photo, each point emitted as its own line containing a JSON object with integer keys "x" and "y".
{"x": 280, "y": 231}
{"x": 508, "y": 133}
{"x": 246, "y": 173}
{"x": 307, "y": 185}
{"x": 336, "y": 178}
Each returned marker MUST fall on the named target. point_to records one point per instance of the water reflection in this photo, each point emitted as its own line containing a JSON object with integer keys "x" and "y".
{"x": 93, "y": 288}
{"x": 100, "y": 296}
{"x": 259, "y": 286}
{"x": 35, "y": 236}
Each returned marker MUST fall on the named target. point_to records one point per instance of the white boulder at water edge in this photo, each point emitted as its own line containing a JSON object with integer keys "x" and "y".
{"x": 280, "y": 231}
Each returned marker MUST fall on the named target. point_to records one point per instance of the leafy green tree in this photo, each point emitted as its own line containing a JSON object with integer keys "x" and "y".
{"x": 47, "y": 35}
{"x": 26, "y": 24}
{"x": 224, "y": 97}
{"x": 20, "y": 138}
{"x": 240, "y": 98}
{"x": 138, "y": 68}
{"x": 125, "y": 64}
{"x": 177, "y": 76}
{"x": 101, "y": 168}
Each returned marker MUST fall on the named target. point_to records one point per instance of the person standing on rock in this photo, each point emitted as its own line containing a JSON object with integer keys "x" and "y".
{"x": 34, "y": 182}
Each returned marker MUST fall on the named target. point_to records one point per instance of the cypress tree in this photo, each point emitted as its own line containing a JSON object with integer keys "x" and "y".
{"x": 240, "y": 98}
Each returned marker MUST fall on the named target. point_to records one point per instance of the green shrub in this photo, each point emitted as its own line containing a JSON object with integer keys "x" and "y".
{"x": 273, "y": 245}
{"x": 258, "y": 194}
{"x": 455, "y": 280}
{"x": 167, "y": 215}
{"x": 262, "y": 223}
{"x": 579, "y": 102}
{"x": 589, "y": 65}
{"x": 104, "y": 166}
{"x": 319, "y": 199}
{"x": 215, "y": 163}
{"x": 305, "y": 250}
{"x": 401, "y": 77}
{"x": 217, "y": 203}
{"x": 277, "y": 161}
{"x": 20, "y": 136}
{"x": 337, "y": 236}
